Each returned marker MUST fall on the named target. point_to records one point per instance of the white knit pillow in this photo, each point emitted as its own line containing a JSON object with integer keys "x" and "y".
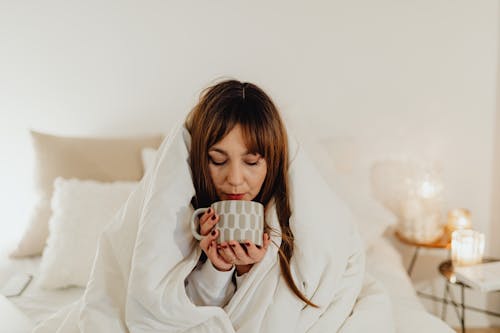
{"x": 81, "y": 211}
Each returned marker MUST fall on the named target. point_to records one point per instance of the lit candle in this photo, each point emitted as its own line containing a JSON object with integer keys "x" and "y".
{"x": 467, "y": 247}
{"x": 459, "y": 219}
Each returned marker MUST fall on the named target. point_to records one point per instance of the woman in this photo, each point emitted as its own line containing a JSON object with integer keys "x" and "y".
{"x": 238, "y": 152}
{"x": 151, "y": 275}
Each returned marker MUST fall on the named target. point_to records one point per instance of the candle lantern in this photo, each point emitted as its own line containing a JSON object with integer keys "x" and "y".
{"x": 413, "y": 191}
{"x": 467, "y": 247}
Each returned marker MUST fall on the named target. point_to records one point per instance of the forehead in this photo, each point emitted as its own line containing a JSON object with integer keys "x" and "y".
{"x": 233, "y": 141}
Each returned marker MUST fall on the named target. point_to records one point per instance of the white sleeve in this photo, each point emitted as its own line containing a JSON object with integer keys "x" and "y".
{"x": 206, "y": 285}
{"x": 240, "y": 279}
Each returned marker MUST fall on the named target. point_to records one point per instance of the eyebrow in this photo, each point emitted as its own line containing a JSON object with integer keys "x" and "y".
{"x": 223, "y": 152}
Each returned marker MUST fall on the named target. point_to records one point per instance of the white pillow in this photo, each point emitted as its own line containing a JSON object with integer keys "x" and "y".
{"x": 81, "y": 211}
{"x": 103, "y": 159}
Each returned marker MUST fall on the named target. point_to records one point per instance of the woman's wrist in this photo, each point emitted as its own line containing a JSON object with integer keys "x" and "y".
{"x": 242, "y": 269}
{"x": 222, "y": 269}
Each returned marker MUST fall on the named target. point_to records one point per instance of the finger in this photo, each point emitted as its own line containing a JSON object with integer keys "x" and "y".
{"x": 267, "y": 240}
{"x": 241, "y": 255}
{"x": 208, "y": 239}
{"x": 255, "y": 252}
{"x": 216, "y": 259}
{"x": 204, "y": 244}
{"x": 208, "y": 223}
{"x": 203, "y": 217}
{"x": 227, "y": 253}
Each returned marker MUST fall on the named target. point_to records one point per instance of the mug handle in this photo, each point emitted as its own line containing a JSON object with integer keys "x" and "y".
{"x": 195, "y": 223}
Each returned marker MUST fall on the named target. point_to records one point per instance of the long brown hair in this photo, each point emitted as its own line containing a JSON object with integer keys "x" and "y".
{"x": 223, "y": 106}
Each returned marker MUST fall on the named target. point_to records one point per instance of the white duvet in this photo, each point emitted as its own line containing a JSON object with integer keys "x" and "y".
{"x": 147, "y": 251}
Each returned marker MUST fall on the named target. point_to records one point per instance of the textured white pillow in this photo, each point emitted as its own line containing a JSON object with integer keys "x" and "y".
{"x": 81, "y": 211}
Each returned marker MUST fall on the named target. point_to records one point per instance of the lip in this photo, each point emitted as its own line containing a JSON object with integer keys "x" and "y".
{"x": 238, "y": 196}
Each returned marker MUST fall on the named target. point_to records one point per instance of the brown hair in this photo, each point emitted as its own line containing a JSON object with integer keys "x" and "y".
{"x": 223, "y": 106}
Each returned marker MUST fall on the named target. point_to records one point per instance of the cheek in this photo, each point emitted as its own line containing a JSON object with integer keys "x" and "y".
{"x": 260, "y": 176}
{"x": 215, "y": 175}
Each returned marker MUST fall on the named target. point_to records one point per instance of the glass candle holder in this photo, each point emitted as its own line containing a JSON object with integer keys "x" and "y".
{"x": 467, "y": 247}
{"x": 459, "y": 219}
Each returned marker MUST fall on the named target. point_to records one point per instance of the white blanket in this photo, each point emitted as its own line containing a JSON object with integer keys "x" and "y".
{"x": 147, "y": 251}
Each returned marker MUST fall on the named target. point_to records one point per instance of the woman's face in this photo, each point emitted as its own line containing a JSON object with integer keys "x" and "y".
{"x": 236, "y": 173}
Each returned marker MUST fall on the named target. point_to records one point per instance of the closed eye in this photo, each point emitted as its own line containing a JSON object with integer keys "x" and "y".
{"x": 217, "y": 162}
{"x": 253, "y": 161}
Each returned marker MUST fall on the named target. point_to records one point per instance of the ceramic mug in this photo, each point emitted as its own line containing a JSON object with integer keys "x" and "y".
{"x": 239, "y": 220}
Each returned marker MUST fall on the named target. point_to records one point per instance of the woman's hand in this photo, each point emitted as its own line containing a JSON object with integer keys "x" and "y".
{"x": 227, "y": 254}
{"x": 243, "y": 255}
{"x": 208, "y": 244}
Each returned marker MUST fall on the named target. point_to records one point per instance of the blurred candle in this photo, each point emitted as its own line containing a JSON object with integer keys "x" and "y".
{"x": 459, "y": 219}
{"x": 467, "y": 247}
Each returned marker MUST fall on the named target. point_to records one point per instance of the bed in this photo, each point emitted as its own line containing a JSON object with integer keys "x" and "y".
{"x": 383, "y": 262}
{"x": 67, "y": 261}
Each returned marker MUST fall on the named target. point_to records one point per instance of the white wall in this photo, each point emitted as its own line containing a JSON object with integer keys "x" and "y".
{"x": 494, "y": 302}
{"x": 412, "y": 77}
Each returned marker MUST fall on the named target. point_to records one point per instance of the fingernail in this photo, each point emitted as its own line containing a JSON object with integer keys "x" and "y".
{"x": 209, "y": 210}
{"x": 214, "y": 217}
{"x": 247, "y": 243}
{"x": 214, "y": 232}
{"x": 232, "y": 245}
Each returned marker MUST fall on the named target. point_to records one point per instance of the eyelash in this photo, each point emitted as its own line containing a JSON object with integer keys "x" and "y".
{"x": 216, "y": 163}
{"x": 222, "y": 163}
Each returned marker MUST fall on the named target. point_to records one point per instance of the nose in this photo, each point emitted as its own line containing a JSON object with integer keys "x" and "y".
{"x": 235, "y": 175}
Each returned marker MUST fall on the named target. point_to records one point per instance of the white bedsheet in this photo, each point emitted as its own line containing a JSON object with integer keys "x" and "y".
{"x": 36, "y": 303}
{"x": 384, "y": 263}
{"x": 11, "y": 319}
